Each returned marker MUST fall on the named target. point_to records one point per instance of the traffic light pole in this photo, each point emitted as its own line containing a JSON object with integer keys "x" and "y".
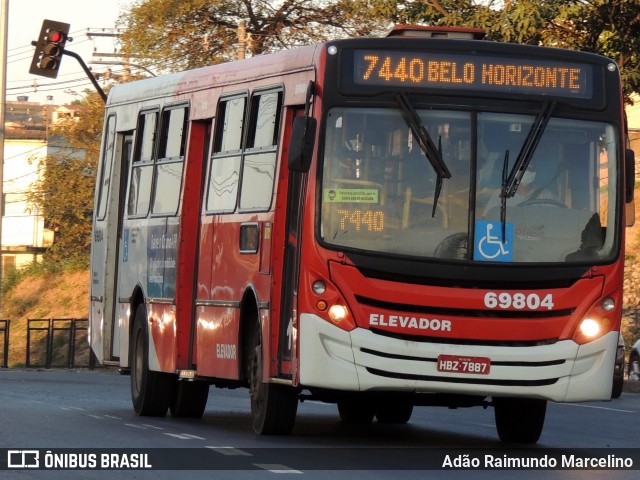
{"x": 49, "y": 50}
{"x": 88, "y": 72}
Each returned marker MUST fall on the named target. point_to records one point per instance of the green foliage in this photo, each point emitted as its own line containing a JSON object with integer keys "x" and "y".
{"x": 607, "y": 27}
{"x": 64, "y": 194}
{"x": 12, "y": 278}
{"x": 173, "y": 35}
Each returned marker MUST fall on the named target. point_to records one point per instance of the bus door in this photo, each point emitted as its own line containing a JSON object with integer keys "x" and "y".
{"x": 291, "y": 263}
{"x": 107, "y": 232}
{"x": 124, "y": 153}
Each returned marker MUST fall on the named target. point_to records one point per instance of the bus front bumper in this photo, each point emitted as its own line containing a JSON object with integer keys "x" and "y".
{"x": 360, "y": 360}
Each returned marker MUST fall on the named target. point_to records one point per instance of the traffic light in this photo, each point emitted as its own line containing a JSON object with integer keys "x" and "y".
{"x": 49, "y": 48}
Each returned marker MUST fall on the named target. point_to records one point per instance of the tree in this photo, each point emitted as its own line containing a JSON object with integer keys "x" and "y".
{"x": 64, "y": 193}
{"x": 607, "y": 27}
{"x": 173, "y": 35}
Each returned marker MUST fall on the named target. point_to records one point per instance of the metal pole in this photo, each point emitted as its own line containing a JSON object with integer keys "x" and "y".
{"x": 4, "y": 29}
{"x": 95, "y": 83}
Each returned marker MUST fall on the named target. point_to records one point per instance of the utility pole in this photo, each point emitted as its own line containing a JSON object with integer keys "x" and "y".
{"x": 125, "y": 62}
{"x": 4, "y": 27}
{"x": 242, "y": 39}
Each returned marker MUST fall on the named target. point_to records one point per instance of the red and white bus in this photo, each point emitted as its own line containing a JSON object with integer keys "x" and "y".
{"x": 425, "y": 219}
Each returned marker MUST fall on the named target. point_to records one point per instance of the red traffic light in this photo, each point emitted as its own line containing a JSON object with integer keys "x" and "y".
{"x": 56, "y": 36}
{"x": 49, "y": 48}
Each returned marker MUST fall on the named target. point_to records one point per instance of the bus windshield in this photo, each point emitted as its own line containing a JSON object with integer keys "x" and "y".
{"x": 378, "y": 187}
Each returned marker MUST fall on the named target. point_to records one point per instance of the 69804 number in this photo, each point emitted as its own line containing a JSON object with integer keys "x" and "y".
{"x": 518, "y": 301}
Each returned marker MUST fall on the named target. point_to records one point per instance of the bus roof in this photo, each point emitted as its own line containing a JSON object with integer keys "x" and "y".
{"x": 431, "y": 31}
{"x": 229, "y": 73}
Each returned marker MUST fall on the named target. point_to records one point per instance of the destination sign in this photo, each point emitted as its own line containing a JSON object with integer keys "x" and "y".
{"x": 462, "y": 71}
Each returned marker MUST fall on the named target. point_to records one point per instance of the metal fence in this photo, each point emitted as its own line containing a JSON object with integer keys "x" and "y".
{"x": 58, "y": 342}
{"x": 4, "y": 342}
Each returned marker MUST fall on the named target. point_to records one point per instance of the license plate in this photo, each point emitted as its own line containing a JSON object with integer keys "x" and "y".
{"x": 458, "y": 364}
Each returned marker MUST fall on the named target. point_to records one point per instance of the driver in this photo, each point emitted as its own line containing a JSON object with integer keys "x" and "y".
{"x": 539, "y": 181}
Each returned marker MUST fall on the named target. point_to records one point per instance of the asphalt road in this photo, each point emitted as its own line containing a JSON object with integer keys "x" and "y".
{"x": 78, "y": 416}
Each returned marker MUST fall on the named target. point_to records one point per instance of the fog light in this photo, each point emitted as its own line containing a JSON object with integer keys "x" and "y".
{"x": 608, "y": 304}
{"x": 589, "y": 328}
{"x": 319, "y": 287}
{"x": 337, "y": 313}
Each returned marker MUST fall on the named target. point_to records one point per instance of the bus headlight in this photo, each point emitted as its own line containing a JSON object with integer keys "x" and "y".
{"x": 337, "y": 313}
{"x": 589, "y": 328}
{"x": 599, "y": 320}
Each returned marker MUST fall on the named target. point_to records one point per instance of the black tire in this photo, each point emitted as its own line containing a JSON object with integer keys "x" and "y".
{"x": 354, "y": 411}
{"x": 189, "y": 399}
{"x": 618, "y": 385}
{"x": 519, "y": 420}
{"x": 273, "y": 406}
{"x": 150, "y": 391}
{"x": 392, "y": 410}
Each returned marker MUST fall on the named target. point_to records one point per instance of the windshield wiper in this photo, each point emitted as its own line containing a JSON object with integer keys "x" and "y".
{"x": 421, "y": 134}
{"x": 525, "y": 155}
{"x": 503, "y": 198}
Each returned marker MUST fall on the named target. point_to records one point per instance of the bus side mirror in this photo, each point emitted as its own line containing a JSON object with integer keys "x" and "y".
{"x": 303, "y": 136}
{"x": 630, "y": 175}
{"x": 629, "y": 184}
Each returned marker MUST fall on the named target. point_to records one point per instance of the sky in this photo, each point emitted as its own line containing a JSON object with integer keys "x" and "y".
{"x": 25, "y": 21}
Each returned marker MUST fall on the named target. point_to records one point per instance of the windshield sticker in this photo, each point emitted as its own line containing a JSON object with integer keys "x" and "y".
{"x": 356, "y": 195}
{"x": 489, "y": 246}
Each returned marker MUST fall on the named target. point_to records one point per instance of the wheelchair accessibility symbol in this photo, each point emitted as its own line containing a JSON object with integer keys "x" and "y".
{"x": 489, "y": 244}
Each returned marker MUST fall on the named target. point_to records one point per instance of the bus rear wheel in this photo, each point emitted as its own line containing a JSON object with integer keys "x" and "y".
{"x": 189, "y": 399}
{"x": 273, "y": 407}
{"x": 519, "y": 420}
{"x": 150, "y": 391}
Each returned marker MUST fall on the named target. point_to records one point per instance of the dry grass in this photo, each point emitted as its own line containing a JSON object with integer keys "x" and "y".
{"x": 58, "y": 296}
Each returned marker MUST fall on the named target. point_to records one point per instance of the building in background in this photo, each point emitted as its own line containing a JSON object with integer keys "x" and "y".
{"x": 25, "y": 236}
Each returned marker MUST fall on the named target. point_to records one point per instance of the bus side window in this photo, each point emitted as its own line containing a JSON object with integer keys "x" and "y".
{"x": 169, "y": 167}
{"x": 142, "y": 168}
{"x": 260, "y": 155}
{"x": 224, "y": 174}
{"x": 105, "y": 167}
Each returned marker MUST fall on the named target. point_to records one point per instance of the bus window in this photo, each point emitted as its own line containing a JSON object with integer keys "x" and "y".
{"x": 142, "y": 169}
{"x": 379, "y": 189}
{"x": 107, "y": 162}
{"x": 260, "y": 156}
{"x": 265, "y": 120}
{"x": 168, "y": 175}
{"x": 172, "y": 136}
{"x": 562, "y": 208}
{"x": 225, "y": 162}
{"x": 232, "y": 114}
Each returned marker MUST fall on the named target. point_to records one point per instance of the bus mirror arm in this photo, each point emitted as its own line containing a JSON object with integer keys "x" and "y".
{"x": 630, "y": 174}
{"x": 303, "y": 135}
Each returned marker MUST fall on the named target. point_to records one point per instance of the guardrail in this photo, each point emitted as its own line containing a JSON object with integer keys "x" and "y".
{"x": 58, "y": 342}
{"x": 4, "y": 333}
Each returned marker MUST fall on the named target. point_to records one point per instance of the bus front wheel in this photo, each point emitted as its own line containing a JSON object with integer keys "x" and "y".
{"x": 354, "y": 410}
{"x": 273, "y": 406}
{"x": 519, "y": 420}
{"x": 150, "y": 391}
